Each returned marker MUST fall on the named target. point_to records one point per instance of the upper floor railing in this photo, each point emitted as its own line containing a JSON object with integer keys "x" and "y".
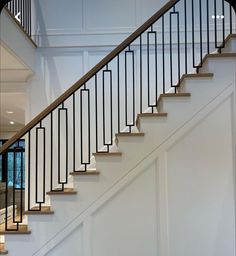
{"x": 21, "y": 12}
{"x": 106, "y": 100}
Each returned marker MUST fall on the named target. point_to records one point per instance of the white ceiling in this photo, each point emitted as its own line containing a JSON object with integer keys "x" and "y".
{"x": 13, "y": 78}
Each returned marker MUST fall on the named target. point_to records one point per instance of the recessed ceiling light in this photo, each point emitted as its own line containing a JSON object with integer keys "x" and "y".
{"x": 9, "y": 112}
{"x": 11, "y": 122}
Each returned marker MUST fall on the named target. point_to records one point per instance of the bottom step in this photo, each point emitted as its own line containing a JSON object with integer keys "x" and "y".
{"x": 12, "y": 230}
{"x": 2, "y": 249}
{"x": 45, "y": 210}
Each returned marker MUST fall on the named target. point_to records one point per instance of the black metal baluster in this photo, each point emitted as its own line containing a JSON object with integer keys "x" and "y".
{"x": 223, "y": 24}
{"x": 29, "y": 169}
{"x": 51, "y": 160}
{"x": 11, "y": 6}
{"x": 103, "y": 112}
{"x": 208, "y": 30}
{"x": 171, "y": 64}
{"x": 20, "y": 10}
{"x": 89, "y": 131}
{"x": 17, "y": 6}
{"x": 148, "y": 68}
{"x": 6, "y": 189}
{"x": 62, "y": 183}
{"x": 200, "y": 17}
{"x": 163, "y": 52}
{"x": 96, "y": 111}
{"x": 126, "y": 89}
{"x": 21, "y": 184}
{"x": 44, "y": 163}
{"x": 36, "y": 168}
{"x": 59, "y": 147}
{"x": 186, "y": 37}
{"x": 108, "y": 144}
{"x": 27, "y": 16}
{"x": 193, "y": 35}
{"x": 30, "y": 32}
{"x": 133, "y": 92}
{"x": 66, "y": 124}
{"x": 215, "y": 23}
{"x": 73, "y": 131}
{"x": 40, "y": 202}
{"x": 230, "y": 20}
{"x": 155, "y": 69}
{"x": 83, "y": 91}
{"x": 14, "y": 185}
{"x": 178, "y": 43}
{"x": 23, "y": 13}
{"x": 141, "y": 75}
{"x": 118, "y": 91}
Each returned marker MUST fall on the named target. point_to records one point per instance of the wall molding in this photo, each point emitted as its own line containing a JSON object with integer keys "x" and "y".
{"x": 152, "y": 157}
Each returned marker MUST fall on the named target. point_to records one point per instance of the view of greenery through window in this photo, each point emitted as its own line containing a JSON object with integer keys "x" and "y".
{"x": 15, "y": 159}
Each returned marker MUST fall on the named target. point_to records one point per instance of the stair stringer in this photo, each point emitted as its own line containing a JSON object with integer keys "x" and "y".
{"x": 84, "y": 220}
{"x": 49, "y": 230}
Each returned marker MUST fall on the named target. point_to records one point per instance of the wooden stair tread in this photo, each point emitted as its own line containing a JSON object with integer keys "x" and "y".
{"x": 152, "y": 115}
{"x": 194, "y": 75}
{"x": 66, "y": 191}
{"x": 172, "y": 95}
{"x": 87, "y": 172}
{"x": 132, "y": 134}
{"x": 3, "y": 251}
{"x": 45, "y": 210}
{"x": 226, "y": 40}
{"x": 143, "y": 115}
{"x": 107, "y": 154}
{"x": 22, "y": 230}
{"x": 218, "y": 55}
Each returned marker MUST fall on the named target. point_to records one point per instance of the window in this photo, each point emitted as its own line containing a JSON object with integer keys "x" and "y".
{"x": 12, "y": 165}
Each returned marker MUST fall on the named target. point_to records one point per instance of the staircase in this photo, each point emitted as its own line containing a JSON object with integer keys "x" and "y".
{"x": 67, "y": 193}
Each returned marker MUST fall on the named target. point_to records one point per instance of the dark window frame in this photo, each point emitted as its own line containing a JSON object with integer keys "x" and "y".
{"x": 15, "y": 148}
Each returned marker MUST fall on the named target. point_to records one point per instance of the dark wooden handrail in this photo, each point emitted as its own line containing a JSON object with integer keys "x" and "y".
{"x": 88, "y": 75}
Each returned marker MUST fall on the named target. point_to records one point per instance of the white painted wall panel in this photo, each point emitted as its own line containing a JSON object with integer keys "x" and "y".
{"x": 72, "y": 245}
{"x": 200, "y": 188}
{"x": 110, "y": 15}
{"x": 127, "y": 223}
{"x": 59, "y": 17}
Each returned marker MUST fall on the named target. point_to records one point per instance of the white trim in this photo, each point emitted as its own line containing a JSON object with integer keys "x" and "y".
{"x": 137, "y": 169}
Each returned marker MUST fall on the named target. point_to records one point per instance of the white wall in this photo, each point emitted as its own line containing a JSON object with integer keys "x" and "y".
{"x": 200, "y": 181}
{"x": 174, "y": 186}
{"x": 179, "y": 199}
{"x": 72, "y": 44}
{"x": 90, "y": 22}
